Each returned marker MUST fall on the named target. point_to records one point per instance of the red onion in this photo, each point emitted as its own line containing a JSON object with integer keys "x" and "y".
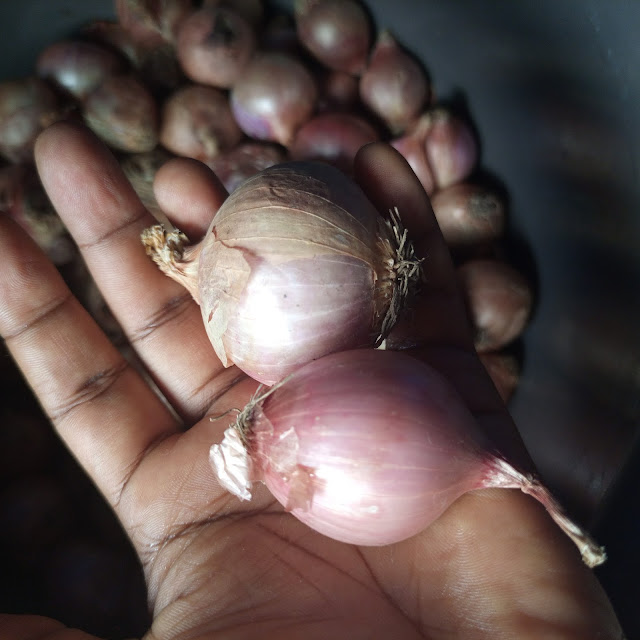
{"x": 440, "y": 148}
{"x": 197, "y": 122}
{"x": 275, "y": 95}
{"x": 78, "y": 66}
{"x": 27, "y": 106}
{"x": 152, "y": 22}
{"x": 499, "y": 299}
{"x": 123, "y": 113}
{"x": 334, "y": 138}
{"x": 338, "y": 91}
{"x": 244, "y": 161}
{"x": 297, "y": 263}
{"x": 370, "y": 447}
{"x": 336, "y": 32}
{"x": 214, "y": 46}
{"x": 394, "y": 85}
{"x": 469, "y": 214}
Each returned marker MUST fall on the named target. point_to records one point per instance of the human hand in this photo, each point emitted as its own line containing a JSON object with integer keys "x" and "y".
{"x": 493, "y": 565}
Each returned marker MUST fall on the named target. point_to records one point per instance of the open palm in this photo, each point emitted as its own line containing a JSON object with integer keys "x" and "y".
{"x": 493, "y": 566}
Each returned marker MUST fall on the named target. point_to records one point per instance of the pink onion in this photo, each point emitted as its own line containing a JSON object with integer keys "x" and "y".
{"x": 27, "y": 106}
{"x": 123, "y": 113}
{"x": 197, "y": 122}
{"x": 370, "y": 447}
{"x": 334, "y": 138}
{"x": 336, "y": 32}
{"x": 499, "y": 299}
{"x": 297, "y": 263}
{"x": 469, "y": 214}
{"x": 78, "y": 66}
{"x": 248, "y": 158}
{"x": 440, "y": 148}
{"x": 275, "y": 95}
{"x": 394, "y": 85}
{"x": 214, "y": 46}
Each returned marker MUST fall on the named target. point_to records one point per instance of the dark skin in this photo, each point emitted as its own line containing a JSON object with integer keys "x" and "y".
{"x": 493, "y": 566}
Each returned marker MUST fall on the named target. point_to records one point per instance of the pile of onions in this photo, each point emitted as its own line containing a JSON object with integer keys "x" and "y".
{"x": 370, "y": 447}
{"x": 296, "y": 264}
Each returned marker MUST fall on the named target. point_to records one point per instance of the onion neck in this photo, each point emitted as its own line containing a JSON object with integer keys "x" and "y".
{"x": 175, "y": 257}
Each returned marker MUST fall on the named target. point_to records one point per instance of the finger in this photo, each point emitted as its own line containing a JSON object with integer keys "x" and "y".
{"x": 105, "y": 217}
{"x": 190, "y": 194}
{"x": 99, "y": 404}
{"x": 390, "y": 183}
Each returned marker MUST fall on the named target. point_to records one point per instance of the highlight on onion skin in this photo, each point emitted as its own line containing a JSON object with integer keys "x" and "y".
{"x": 336, "y": 32}
{"x": 469, "y": 214}
{"x": 394, "y": 85}
{"x": 297, "y": 263}
{"x": 123, "y": 113}
{"x": 499, "y": 299}
{"x": 233, "y": 167}
{"x": 370, "y": 447}
{"x": 196, "y": 122}
{"x": 214, "y": 46}
{"x": 274, "y": 96}
{"x": 23, "y": 198}
{"x": 78, "y": 66}
{"x": 27, "y": 107}
{"x": 334, "y": 138}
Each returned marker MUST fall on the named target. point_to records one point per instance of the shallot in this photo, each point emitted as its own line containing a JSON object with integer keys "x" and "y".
{"x": 197, "y": 122}
{"x": 394, "y": 85}
{"x": 214, "y": 46}
{"x": 274, "y": 97}
{"x": 297, "y": 263}
{"x": 336, "y": 32}
{"x": 370, "y": 447}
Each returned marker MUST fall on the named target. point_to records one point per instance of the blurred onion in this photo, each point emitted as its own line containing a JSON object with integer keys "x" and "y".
{"x": 123, "y": 113}
{"x": 394, "y": 85}
{"x": 336, "y": 32}
{"x": 78, "y": 66}
{"x": 504, "y": 370}
{"x": 152, "y": 22}
{"x": 197, "y": 122}
{"x": 214, "y": 46}
{"x": 334, "y": 138}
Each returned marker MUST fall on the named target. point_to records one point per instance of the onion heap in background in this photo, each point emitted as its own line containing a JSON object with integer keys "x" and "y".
{"x": 241, "y": 88}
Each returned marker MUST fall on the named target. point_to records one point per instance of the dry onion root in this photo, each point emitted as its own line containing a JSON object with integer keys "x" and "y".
{"x": 370, "y": 447}
{"x": 297, "y": 263}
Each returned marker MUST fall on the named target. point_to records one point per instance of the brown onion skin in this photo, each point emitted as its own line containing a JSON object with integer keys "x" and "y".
{"x": 197, "y": 123}
{"x": 27, "y": 106}
{"x": 499, "y": 299}
{"x": 152, "y": 22}
{"x": 334, "y": 138}
{"x": 274, "y": 97}
{"x": 394, "y": 85}
{"x": 336, "y": 32}
{"x": 77, "y": 66}
{"x": 469, "y": 214}
{"x": 124, "y": 113}
{"x": 451, "y": 147}
{"x": 245, "y": 160}
{"x": 214, "y": 46}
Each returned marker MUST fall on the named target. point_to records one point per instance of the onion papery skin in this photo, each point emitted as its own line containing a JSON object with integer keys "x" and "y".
{"x": 367, "y": 447}
{"x": 295, "y": 265}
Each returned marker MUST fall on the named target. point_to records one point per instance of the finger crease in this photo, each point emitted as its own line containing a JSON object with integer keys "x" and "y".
{"x": 169, "y": 311}
{"x": 114, "y": 231}
{"x": 43, "y": 314}
{"x": 91, "y": 389}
